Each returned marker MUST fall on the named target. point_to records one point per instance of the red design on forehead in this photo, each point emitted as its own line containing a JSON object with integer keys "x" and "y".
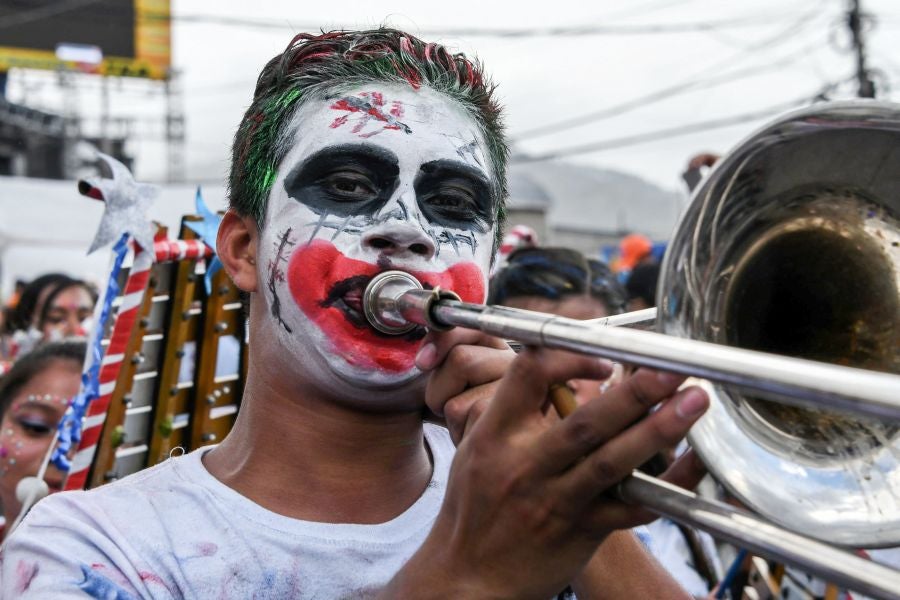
{"x": 315, "y": 269}
{"x": 366, "y": 107}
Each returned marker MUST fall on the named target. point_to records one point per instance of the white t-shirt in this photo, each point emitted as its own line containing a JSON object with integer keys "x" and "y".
{"x": 175, "y": 531}
{"x": 673, "y": 552}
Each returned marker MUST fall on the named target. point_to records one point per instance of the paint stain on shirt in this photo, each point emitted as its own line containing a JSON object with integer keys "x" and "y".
{"x": 97, "y": 586}
{"x": 207, "y": 549}
{"x": 25, "y": 573}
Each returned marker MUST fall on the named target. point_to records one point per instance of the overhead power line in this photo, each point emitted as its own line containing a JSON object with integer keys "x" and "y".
{"x": 670, "y": 132}
{"x": 689, "y": 84}
{"x": 662, "y": 94}
{"x": 578, "y": 30}
{"x": 643, "y": 9}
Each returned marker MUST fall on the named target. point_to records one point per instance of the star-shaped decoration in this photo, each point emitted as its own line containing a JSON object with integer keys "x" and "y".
{"x": 126, "y": 203}
{"x": 207, "y": 230}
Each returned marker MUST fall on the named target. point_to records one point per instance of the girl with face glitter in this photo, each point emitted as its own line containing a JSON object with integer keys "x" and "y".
{"x": 34, "y": 395}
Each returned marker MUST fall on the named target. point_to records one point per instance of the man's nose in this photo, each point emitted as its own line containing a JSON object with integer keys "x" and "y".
{"x": 399, "y": 239}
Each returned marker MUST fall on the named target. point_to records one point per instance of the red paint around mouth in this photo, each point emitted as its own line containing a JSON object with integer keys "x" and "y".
{"x": 316, "y": 267}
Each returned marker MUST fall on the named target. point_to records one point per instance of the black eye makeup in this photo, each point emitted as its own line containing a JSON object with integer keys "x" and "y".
{"x": 455, "y": 195}
{"x": 346, "y": 180}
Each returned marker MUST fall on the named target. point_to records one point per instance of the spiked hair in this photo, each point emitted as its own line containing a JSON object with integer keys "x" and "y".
{"x": 321, "y": 66}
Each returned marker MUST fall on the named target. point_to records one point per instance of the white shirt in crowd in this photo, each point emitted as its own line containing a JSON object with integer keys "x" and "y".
{"x": 673, "y": 552}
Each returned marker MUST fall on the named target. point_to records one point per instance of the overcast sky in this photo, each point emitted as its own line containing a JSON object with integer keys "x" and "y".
{"x": 743, "y": 57}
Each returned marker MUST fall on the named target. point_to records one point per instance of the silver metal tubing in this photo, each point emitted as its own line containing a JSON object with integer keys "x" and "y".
{"x": 638, "y": 319}
{"x": 794, "y": 381}
{"x": 747, "y": 531}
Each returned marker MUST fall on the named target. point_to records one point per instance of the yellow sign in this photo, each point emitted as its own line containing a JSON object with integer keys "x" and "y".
{"x": 152, "y": 49}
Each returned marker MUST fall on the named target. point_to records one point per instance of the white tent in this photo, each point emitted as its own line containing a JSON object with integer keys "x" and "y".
{"x": 47, "y": 226}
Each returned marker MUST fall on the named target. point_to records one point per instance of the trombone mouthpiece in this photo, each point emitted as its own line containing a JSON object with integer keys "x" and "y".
{"x": 381, "y": 302}
{"x": 395, "y": 303}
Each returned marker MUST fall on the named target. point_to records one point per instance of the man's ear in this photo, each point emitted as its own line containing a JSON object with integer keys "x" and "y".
{"x": 236, "y": 246}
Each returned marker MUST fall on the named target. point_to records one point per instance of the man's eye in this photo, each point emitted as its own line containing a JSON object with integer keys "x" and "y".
{"x": 350, "y": 186}
{"x": 453, "y": 199}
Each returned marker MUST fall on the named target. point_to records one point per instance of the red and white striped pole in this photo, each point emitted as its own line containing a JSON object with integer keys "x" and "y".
{"x": 110, "y": 366}
{"x": 174, "y": 250}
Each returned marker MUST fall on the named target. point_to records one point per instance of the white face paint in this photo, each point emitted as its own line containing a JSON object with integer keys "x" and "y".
{"x": 382, "y": 177}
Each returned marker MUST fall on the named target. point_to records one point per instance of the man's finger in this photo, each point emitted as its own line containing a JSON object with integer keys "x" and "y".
{"x": 462, "y": 411}
{"x": 686, "y": 472}
{"x": 603, "y": 468}
{"x": 464, "y": 367}
{"x": 523, "y": 391}
{"x": 602, "y": 418}
{"x": 436, "y": 345}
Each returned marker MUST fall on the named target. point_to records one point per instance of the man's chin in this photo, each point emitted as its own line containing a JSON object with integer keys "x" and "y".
{"x": 368, "y": 379}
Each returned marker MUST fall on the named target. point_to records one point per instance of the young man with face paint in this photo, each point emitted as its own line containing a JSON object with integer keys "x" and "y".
{"x": 363, "y": 152}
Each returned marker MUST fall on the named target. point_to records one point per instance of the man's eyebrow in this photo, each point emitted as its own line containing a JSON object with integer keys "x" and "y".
{"x": 364, "y": 153}
{"x": 454, "y": 167}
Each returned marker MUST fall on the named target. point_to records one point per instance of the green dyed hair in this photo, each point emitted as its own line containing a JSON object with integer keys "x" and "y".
{"x": 319, "y": 66}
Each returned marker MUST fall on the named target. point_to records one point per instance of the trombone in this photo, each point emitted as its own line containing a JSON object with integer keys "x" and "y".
{"x": 781, "y": 289}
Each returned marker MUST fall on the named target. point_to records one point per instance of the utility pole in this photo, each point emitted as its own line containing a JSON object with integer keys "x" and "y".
{"x": 866, "y": 87}
{"x": 175, "y": 131}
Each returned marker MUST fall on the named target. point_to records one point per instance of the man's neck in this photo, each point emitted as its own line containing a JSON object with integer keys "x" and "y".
{"x": 309, "y": 458}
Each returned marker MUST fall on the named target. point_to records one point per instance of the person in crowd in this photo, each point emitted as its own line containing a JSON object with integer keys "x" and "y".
{"x": 53, "y": 307}
{"x": 640, "y": 287}
{"x": 361, "y": 152}
{"x": 518, "y": 236}
{"x": 696, "y": 167}
{"x": 32, "y": 297}
{"x": 561, "y": 281}
{"x": 634, "y": 249}
{"x": 557, "y": 280}
{"x": 34, "y": 395}
{"x": 66, "y": 311}
{"x": 7, "y": 345}
{"x": 13, "y": 299}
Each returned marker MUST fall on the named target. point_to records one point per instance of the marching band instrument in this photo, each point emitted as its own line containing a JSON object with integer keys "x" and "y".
{"x": 780, "y": 288}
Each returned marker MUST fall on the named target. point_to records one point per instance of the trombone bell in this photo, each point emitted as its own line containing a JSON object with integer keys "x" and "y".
{"x": 792, "y": 247}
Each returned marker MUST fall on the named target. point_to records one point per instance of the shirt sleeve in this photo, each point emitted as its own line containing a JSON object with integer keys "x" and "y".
{"x": 58, "y": 552}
